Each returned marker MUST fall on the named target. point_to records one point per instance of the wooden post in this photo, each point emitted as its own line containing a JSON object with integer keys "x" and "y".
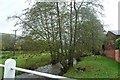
{"x": 8, "y": 71}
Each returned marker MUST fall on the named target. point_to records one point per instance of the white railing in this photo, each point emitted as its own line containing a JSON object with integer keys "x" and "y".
{"x": 10, "y": 68}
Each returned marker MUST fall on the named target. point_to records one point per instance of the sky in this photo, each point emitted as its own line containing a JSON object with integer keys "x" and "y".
{"x": 14, "y": 7}
{"x": 10, "y": 8}
{"x": 111, "y": 14}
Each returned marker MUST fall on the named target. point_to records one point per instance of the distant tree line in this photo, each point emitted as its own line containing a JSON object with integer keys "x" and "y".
{"x": 8, "y": 43}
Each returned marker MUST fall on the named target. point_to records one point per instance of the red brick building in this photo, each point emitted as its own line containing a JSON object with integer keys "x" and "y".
{"x": 109, "y": 45}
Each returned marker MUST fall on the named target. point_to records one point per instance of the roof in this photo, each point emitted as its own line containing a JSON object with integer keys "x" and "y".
{"x": 116, "y": 32}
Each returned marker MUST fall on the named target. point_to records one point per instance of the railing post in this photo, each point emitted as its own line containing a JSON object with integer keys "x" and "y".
{"x": 8, "y": 72}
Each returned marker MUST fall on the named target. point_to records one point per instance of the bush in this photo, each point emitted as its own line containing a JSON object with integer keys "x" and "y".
{"x": 117, "y": 43}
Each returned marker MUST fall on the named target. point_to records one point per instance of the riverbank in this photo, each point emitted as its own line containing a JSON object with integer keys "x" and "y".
{"x": 50, "y": 69}
{"x": 94, "y": 67}
{"x": 88, "y": 67}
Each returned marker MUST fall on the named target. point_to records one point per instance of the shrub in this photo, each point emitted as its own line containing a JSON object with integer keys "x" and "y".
{"x": 117, "y": 43}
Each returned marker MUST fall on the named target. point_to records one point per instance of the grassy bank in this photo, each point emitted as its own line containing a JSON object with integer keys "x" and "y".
{"x": 94, "y": 67}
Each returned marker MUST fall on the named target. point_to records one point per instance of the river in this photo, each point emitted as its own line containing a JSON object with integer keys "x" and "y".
{"x": 51, "y": 69}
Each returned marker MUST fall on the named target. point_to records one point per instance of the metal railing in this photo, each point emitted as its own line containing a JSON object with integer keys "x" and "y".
{"x": 10, "y": 68}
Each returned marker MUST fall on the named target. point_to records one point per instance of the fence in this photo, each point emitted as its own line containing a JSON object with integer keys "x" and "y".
{"x": 10, "y": 68}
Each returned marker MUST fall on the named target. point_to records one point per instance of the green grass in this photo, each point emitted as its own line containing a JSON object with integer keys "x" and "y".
{"x": 96, "y": 67}
{"x": 28, "y": 60}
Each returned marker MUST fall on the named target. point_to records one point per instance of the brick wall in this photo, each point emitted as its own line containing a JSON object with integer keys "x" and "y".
{"x": 109, "y": 46}
{"x": 112, "y": 54}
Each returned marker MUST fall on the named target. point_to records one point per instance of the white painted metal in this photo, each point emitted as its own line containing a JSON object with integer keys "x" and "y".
{"x": 10, "y": 67}
{"x": 39, "y": 73}
{"x": 1, "y": 65}
{"x": 8, "y": 72}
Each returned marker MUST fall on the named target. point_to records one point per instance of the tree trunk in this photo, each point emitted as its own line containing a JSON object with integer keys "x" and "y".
{"x": 60, "y": 32}
{"x": 70, "y": 56}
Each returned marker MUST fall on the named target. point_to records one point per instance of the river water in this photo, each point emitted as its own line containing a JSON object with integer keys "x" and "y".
{"x": 51, "y": 69}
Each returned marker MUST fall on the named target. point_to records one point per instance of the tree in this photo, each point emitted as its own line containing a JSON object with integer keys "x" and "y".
{"x": 7, "y": 42}
{"x": 68, "y": 28}
{"x": 0, "y": 41}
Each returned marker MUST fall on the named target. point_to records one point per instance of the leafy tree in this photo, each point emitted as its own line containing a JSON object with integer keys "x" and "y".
{"x": 0, "y": 41}
{"x": 69, "y": 29}
{"x": 7, "y": 42}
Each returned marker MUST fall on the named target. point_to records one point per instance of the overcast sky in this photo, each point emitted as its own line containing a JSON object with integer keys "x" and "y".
{"x": 12, "y": 7}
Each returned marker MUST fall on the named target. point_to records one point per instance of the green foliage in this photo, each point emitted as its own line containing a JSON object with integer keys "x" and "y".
{"x": 0, "y": 41}
{"x": 117, "y": 43}
{"x": 28, "y": 60}
{"x": 66, "y": 30}
{"x": 30, "y": 44}
{"x": 8, "y": 42}
{"x": 96, "y": 67}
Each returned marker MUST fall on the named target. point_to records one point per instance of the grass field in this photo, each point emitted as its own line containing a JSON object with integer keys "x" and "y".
{"x": 95, "y": 67}
{"x": 28, "y": 60}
